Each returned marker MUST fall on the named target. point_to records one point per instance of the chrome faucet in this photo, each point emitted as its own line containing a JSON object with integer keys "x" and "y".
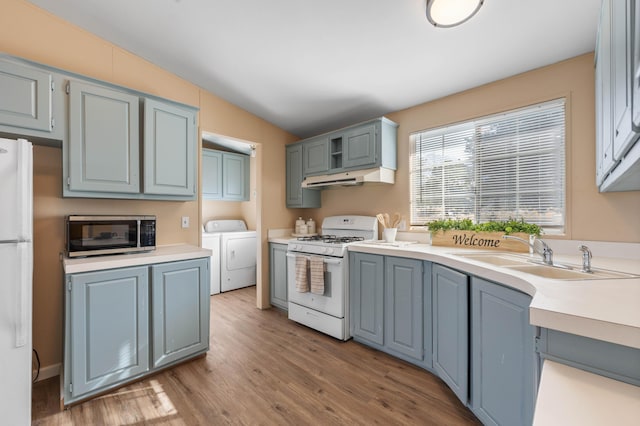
{"x": 586, "y": 259}
{"x": 538, "y": 246}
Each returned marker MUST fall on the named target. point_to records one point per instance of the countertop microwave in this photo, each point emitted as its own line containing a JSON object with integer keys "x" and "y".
{"x": 102, "y": 235}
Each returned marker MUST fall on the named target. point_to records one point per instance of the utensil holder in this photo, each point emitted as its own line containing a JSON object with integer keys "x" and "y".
{"x": 389, "y": 234}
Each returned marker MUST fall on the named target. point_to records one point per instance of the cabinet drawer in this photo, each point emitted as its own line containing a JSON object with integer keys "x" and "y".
{"x": 317, "y": 320}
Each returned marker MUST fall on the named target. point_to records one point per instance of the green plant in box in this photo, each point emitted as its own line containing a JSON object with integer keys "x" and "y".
{"x": 510, "y": 226}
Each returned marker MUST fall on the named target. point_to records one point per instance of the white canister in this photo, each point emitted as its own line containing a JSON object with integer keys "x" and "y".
{"x": 311, "y": 226}
{"x": 299, "y": 223}
{"x": 302, "y": 229}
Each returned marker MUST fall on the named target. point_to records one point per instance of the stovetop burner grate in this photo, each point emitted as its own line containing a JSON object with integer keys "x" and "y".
{"x": 331, "y": 239}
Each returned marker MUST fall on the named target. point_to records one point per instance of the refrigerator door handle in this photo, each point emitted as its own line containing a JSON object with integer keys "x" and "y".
{"x": 25, "y": 267}
{"x": 24, "y": 188}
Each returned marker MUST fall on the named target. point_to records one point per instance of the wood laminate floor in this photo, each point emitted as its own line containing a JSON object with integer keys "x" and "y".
{"x": 263, "y": 369}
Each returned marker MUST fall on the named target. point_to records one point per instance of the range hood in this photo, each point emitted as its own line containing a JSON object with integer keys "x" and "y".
{"x": 350, "y": 178}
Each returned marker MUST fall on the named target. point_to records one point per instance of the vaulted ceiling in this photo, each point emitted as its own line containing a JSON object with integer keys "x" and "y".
{"x": 313, "y": 66}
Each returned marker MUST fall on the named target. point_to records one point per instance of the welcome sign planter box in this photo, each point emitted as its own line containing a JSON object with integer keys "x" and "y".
{"x": 479, "y": 240}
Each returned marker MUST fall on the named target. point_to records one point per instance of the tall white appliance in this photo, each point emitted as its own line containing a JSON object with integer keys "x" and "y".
{"x": 16, "y": 271}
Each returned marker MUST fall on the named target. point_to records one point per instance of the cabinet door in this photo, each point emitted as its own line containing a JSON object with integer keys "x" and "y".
{"x": 451, "y": 329}
{"x": 604, "y": 127}
{"x": 211, "y": 175}
{"x": 169, "y": 149}
{"x": 26, "y": 97}
{"x": 235, "y": 177}
{"x": 180, "y": 310}
{"x": 294, "y": 176}
{"x": 635, "y": 74}
{"x": 367, "y": 296}
{"x": 403, "y": 306}
{"x": 296, "y": 196}
{"x": 316, "y": 156}
{"x": 621, "y": 57}
{"x": 359, "y": 146}
{"x": 103, "y": 140}
{"x": 109, "y": 328}
{"x": 278, "y": 275}
{"x": 503, "y": 363}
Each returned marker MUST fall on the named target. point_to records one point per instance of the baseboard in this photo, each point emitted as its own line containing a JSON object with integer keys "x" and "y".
{"x": 48, "y": 372}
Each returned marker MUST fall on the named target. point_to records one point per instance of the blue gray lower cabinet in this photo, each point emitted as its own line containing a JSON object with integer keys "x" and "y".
{"x": 504, "y": 367}
{"x": 474, "y": 334}
{"x": 109, "y": 338}
{"x": 180, "y": 310}
{"x": 107, "y": 328}
{"x": 278, "y": 275}
{"x": 391, "y": 306}
{"x": 607, "y": 359}
{"x": 451, "y": 329}
{"x": 403, "y": 306}
{"x": 366, "y": 285}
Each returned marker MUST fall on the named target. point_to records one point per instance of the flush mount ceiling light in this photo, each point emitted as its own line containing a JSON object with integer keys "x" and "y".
{"x": 449, "y": 13}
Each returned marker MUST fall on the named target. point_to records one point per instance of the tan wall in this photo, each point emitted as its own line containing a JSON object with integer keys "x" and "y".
{"x": 32, "y": 33}
{"x": 590, "y": 214}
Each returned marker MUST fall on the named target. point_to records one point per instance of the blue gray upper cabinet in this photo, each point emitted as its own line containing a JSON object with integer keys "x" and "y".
{"x": 103, "y": 140}
{"x": 107, "y": 320}
{"x": 26, "y": 97}
{"x": 316, "y": 156}
{"x": 503, "y": 362}
{"x": 359, "y": 146}
{"x": 211, "y": 174}
{"x": 296, "y": 196}
{"x": 225, "y": 176}
{"x": 617, "y": 75}
{"x": 621, "y": 90}
{"x": 451, "y": 329}
{"x": 169, "y": 149}
{"x": 180, "y": 310}
{"x": 365, "y": 145}
{"x": 235, "y": 177}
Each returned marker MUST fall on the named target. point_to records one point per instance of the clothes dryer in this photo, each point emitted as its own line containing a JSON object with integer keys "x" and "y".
{"x": 236, "y": 254}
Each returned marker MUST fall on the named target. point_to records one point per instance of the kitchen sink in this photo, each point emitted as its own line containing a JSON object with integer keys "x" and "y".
{"x": 531, "y": 266}
{"x": 498, "y": 259}
{"x": 558, "y": 273}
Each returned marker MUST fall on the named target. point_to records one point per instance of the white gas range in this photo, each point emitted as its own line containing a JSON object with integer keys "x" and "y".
{"x": 318, "y": 274}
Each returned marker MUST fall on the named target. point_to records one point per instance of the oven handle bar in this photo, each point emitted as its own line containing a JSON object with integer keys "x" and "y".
{"x": 325, "y": 259}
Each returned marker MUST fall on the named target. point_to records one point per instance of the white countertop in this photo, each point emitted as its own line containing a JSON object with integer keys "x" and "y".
{"x": 568, "y": 396}
{"x": 162, "y": 254}
{"x": 280, "y": 240}
{"x": 603, "y": 309}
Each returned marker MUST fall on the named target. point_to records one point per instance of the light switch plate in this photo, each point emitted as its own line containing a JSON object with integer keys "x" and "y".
{"x": 185, "y": 221}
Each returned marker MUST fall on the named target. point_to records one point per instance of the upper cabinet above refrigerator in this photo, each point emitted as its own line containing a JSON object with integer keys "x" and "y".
{"x": 32, "y": 103}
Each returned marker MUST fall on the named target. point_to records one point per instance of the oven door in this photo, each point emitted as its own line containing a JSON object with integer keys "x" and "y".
{"x": 333, "y": 300}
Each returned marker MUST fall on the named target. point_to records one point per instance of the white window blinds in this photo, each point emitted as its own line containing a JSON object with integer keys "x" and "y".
{"x": 505, "y": 166}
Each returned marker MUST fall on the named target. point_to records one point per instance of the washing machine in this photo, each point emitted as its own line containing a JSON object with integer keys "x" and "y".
{"x": 233, "y": 260}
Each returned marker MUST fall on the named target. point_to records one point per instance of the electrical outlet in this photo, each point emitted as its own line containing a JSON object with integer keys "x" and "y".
{"x": 185, "y": 221}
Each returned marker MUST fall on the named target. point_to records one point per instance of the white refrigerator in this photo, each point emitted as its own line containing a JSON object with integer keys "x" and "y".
{"x": 16, "y": 271}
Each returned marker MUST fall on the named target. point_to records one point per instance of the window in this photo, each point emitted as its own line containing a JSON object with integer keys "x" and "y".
{"x": 510, "y": 165}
